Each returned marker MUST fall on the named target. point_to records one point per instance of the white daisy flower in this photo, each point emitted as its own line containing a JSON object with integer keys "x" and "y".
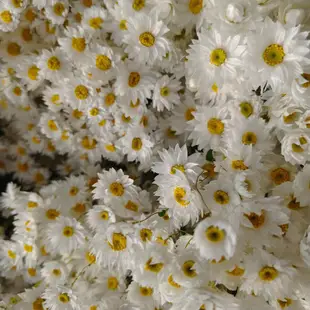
{"x": 57, "y": 11}
{"x": 99, "y": 217}
{"x": 215, "y": 239}
{"x": 277, "y": 53}
{"x": 301, "y": 186}
{"x": 145, "y": 39}
{"x": 65, "y": 235}
{"x": 54, "y": 272}
{"x": 94, "y": 19}
{"x": 9, "y": 19}
{"x": 166, "y": 93}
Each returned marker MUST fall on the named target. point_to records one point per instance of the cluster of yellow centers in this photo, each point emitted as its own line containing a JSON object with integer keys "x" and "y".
{"x": 274, "y": 55}
{"x": 119, "y": 242}
{"x": 215, "y": 234}
{"x": 147, "y": 39}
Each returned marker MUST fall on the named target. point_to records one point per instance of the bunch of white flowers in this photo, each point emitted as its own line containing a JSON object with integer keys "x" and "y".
{"x": 161, "y": 154}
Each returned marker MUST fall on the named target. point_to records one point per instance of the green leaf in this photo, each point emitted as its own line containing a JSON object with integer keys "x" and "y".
{"x": 209, "y": 156}
{"x": 162, "y": 213}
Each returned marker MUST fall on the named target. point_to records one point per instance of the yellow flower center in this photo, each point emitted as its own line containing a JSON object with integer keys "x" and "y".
{"x": 144, "y": 121}
{"x": 88, "y": 143}
{"x": 94, "y": 112}
{"x": 279, "y": 176}
{"x": 17, "y": 91}
{"x": 30, "y": 15}
{"x": 56, "y": 272}
{"x": 221, "y": 197}
{"x": 153, "y": 267}
{"x": 215, "y": 126}
{"x": 274, "y": 55}
{"x": 177, "y": 167}
{"x": 137, "y": 5}
{"x": 26, "y": 34}
{"x": 188, "y": 115}
{"x": 297, "y": 148}
{"x": 293, "y": 204}
{"x": 109, "y": 99}
{"x": 147, "y": 39}
{"x": 32, "y": 204}
{"x": 130, "y": 205}
{"x": 58, "y": 8}
{"x": 188, "y": 269}
{"x": 215, "y": 234}
{"x": 55, "y": 98}
{"x": 119, "y": 242}
{"x": 164, "y": 91}
{"x": 110, "y": 147}
{"x": 256, "y": 220}
{"x": 179, "y": 196}
{"x": 268, "y": 273}
{"x": 95, "y": 22}
{"x": 81, "y": 92}
{"x": 146, "y": 234}
{"x": 290, "y": 119}
{"x": 28, "y": 248}
{"x": 73, "y": 191}
{"x": 52, "y": 214}
{"x": 218, "y": 57}
{"x": 172, "y": 282}
{"x": 33, "y": 72}
{"x": 236, "y": 272}
{"x": 246, "y": 109}
{"x": 13, "y": 49}
{"x": 91, "y": 258}
{"x": 134, "y": 105}
{"x": 195, "y": 6}
{"x": 87, "y": 3}
{"x": 133, "y": 79}
{"x": 32, "y": 272}
{"x": 209, "y": 170}
{"x": 238, "y": 165}
{"x": 285, "y": 303}
{"x": 64, "y": 298}
{"x": 249, "y": 138}
{"x": 77, "y": 113}
{"x": 17, "y": 3}
{"x": 136, "y": 144}
{"x": 68, "y": 231}
{"x": 79, "y": 208}
{"x": 48, "y": 28}
{"x": 78, "y": 44}
{"x": 123, "y": 24}
{"x": 112, "y": 283}
{"x": 104, "y": 215}
{"x": 52, "y": 125}
{"x": 6, "y": 17}
{"x": 306, "y": 76}
{"x": 126, "y": 119}
{"x": 53, "y": 63}
{"x": 103, "y": 62}
{"x": 11, "y": 254}
{"x": 38, "y": 304}
{"x": 22, "y": 167}
{"x": 117, "y": 189}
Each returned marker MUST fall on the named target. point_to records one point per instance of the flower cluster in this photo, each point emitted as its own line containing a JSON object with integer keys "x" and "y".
{"x": 161, "y": 154}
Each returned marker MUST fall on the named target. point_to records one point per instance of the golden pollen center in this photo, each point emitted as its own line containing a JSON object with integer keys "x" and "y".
{"x": 136, "y": 144}
{"x": 64, "y": 298}
{"x": 53, "y": 63}
{"x": 146, "y": 234}
{"x": 58, "y": 8}
{"x": 103, "y": 62}
{"x": 133, "y": 79}
{"x": 6, "y": 17}
{"x": 119, "y": 242}
{"x": 195, "y": 6}
{"x": 147, "y": 39}
{"x": 221, "y": 197}
{"x": 117, "y": 189}
{"x": 138, "y": 5}
{"x": 215, "y": 234}
{"x": 68, "y": 231}
{"x": 188, "y": 269}
{"x": 215, "y": 126}
{"x": 164, "y": 91}
{"x": 249, "y": 138}
{"x": 52, "y": 214}
{"x": 13, "y": 49}
{"x": 177, "y": 167}
{"x": 218, "y": 57}
{"x": 256, "y": 220}
{"x": 280, "y": 175}
{"x": 81, "y": 92}
{"x": 172, "y": 282}
{"x": 179, "y": 196}
{"x": 188, "y": 115}
{"x": 130, "y": 205}
{"x": 78, "y": 44}
{"x": 95, "y": 22}
{"x": 153, "y": 267}
{"x": 273, "y": 55}
{"x": 146, "y": 291}
{"x": 246, "y": 109}
{"x": 88, "y": 143}
{"x": 112, "y": 283}
{"x": 33, "y": 73}
{"x": 268, "y": 273}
